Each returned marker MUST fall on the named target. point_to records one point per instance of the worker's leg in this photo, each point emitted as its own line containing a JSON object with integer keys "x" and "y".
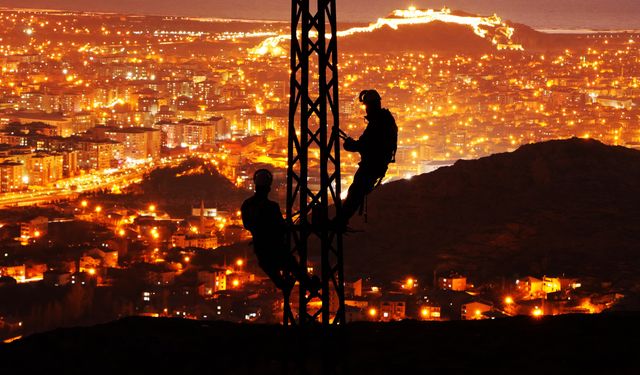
{"x": 280, "y": 277}
{"x": 284, "y": 269}
{"x": 363, "y": 182}
{"x": 309, "y": 282}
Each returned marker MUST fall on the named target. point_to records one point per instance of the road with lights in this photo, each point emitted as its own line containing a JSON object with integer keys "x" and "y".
{"x": 69, "y": 189}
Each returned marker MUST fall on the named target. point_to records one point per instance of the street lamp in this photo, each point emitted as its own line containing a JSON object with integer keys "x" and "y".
{"x": 424, "y": 312}
{"x": 508, "y": 300}
{"x": 537, "y": 312}
{"x": 373, "y": 312}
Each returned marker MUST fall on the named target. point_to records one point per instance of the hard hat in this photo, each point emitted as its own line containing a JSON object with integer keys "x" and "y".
{"x": 262, "y": 177}
{"x": 368, "y": 96}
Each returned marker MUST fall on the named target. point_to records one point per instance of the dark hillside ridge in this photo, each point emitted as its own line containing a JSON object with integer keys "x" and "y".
{"x": 564, "y": 206}
{"x": 605, "y": 343}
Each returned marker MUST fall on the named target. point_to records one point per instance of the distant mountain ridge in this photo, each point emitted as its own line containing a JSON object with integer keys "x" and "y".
{"x": 438, "y": 36}
{"x": 143, "y": 345}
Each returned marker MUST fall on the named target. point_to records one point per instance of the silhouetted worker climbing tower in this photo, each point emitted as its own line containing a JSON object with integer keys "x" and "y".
{"x": 314, "y": 130}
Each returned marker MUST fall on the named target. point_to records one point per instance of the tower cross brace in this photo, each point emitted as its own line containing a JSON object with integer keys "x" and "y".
{"x": 313, "y": 171}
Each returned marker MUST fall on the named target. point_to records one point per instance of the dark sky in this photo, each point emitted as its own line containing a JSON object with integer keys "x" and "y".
{"x": 537, "y": 13}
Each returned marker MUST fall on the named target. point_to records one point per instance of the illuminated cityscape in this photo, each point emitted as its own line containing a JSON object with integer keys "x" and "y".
{"x": 94, "y": 106}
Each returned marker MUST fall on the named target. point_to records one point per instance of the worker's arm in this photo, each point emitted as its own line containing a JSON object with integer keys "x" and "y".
{"x": 362, "y": 143}
{"x": 246, "y": 217}
{"x": 281, "y": 223}
{"x": 351, "y": 145}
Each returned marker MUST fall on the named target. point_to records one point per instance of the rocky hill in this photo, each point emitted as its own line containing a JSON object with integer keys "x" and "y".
{"x": 558, "y": 207}
{"x": 442, "y": 37}
{"x": 433, "y": 37}
{"x": 176, "y": 189}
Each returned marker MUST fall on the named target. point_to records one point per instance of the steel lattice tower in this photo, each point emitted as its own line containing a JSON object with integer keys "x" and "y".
{"x": 313, "y": 175}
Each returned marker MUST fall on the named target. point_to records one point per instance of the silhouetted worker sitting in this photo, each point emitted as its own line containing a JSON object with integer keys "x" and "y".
{"x": 377, "y": 147}
{"x": 263, "y": 218}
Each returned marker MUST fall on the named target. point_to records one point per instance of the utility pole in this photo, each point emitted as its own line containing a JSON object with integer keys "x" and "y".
{"x": 313, "y": 174}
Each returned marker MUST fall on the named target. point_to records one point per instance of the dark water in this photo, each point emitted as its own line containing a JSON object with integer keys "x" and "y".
{"x": 540, "y": 14}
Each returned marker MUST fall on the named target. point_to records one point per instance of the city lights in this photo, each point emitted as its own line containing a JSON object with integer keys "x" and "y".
{"x": 129, "y": 141}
